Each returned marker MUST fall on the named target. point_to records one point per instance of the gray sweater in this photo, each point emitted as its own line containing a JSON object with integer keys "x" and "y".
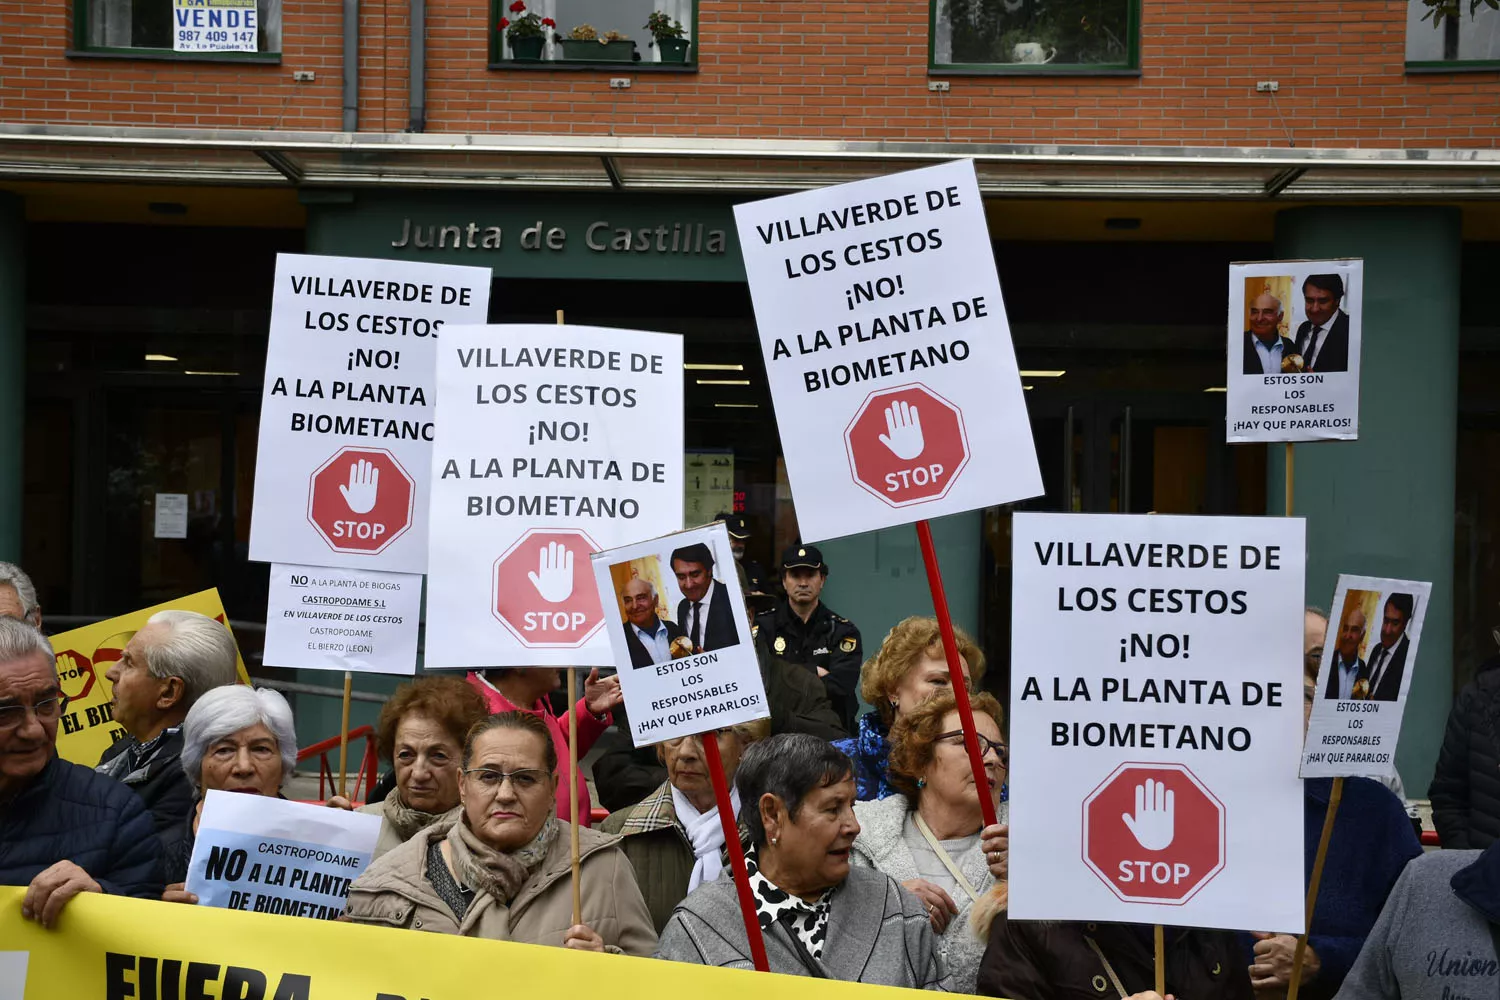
{"x": 876, "y": 934}
{"x": 1428, "y": 944}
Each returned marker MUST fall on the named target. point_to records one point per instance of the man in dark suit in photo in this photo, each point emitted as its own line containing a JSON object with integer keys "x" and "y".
{"x": 1347, "y": 669}
{"x": 1388, "y": 660}
{"x": 1265, "y": 348}
{"x": 648, "y": 638}
{"x": 1323, "y": 338}
{"x": 704, "y": 610}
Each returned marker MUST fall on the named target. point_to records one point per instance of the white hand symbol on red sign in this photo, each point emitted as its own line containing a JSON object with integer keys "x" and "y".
{"x": 553, "y": 578}
{"x": 1154, "y": 821}
{"x": 364, "y": 484}
{"x": 903, "y": 426}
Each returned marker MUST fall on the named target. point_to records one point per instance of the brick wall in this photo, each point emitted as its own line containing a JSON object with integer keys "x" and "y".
{"x": 836, "y": 69}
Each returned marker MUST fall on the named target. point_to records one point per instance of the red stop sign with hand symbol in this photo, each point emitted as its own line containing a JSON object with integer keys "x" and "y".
{"x": 906, "y": 445}
{"x": 361, "y": 500}
{"x": 544, "y": 590}
{"x": 1154, "y": 833}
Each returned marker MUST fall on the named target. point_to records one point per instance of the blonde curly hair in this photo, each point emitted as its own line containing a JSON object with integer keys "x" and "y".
{"x": 910, "y": 641}
{"x": 914, "y": 736}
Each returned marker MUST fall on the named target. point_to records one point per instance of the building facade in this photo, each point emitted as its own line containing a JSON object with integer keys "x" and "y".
{"x": 1128, "y": 151}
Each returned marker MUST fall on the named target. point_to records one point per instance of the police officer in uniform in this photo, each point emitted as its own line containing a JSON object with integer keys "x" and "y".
{"x": 752, "y": 576}
{"x": 802, "y": 630}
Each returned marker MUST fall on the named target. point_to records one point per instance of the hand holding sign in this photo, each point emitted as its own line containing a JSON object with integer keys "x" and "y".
{"x": 903, "y": 434}
{"x": 364, "y": 486}
{"x": 1154, "y": 821}
{"x": 553, "y": 578}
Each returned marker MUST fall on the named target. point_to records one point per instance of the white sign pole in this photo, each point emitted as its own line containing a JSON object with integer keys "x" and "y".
{"x": 1155, "y": 707}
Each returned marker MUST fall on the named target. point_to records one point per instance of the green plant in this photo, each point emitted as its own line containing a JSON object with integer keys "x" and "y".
{"x": 662, "y": 26}
{"x": 1437, "y": 10}
{"x": 528, "y": 23}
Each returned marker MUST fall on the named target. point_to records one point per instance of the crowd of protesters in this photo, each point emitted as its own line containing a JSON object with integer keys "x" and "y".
{"x": 867, "y": 856}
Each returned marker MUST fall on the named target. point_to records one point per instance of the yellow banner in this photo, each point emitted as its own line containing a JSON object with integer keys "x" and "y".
{"x": 84, "y": 654}
{"x": 111, "y": 948}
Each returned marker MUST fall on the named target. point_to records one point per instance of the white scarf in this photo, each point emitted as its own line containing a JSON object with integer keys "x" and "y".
{"x": 705, "y": 833}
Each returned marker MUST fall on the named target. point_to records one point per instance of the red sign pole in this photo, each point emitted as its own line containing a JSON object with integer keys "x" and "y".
{"x": 736, "y": 851}
{"x": 955, "y": 671}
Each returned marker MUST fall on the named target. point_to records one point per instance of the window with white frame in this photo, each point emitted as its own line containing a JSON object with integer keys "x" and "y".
{"x": 625, "y": 19}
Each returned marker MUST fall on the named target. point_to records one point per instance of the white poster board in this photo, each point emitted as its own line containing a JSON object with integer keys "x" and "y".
{"x": 1369, "y": 655}
{"x": 346, "y": 419}
{"x": 1156, "y": 717}
{"x": 267, "y": 855}
{"x": 171, "y": 515}
{"x": 553, "y": 442}
{"x": 1294, "y": 349}
{"x": 323, "y": 618}
{"x": 888, "y": 351}
{"x": 673, "y": 686}
{"x": 215, "y": 25}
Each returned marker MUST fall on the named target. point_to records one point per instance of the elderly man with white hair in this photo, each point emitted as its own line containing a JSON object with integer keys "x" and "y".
{"x": 63, "y": 829}
{"x": 236, "y": 739}
{"x": 178, "y": 657}
{"x": 18, "y": 595}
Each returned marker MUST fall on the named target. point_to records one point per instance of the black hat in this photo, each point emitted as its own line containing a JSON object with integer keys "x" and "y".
{"x": 736, "y": 523}
{"x": 802, "y": 557}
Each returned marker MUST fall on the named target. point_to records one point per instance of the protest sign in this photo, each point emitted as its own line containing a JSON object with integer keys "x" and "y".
{"x": 677, "y": 625}
{"x": 1155, "y": 718}
{"x": 347, "y": 411}
{"x": 215, "y": 25}
{"x": 554, "y": 442}
{"x": 83, "y": 657}
{"x": 888, "y": 351}
{"x": 118, "y": 948}
{"x": 1369, "y": 655}
{"x": 1294, "y": 348}
{"x": 268, "y": 855}
{"x": 343, "y": 619}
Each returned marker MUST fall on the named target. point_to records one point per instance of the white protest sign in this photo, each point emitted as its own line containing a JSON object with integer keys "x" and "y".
{"x": 553, "y": 442}
{"x": 1369, "y": 655}
{"x": 324, "y": 618}
{"x": 347, "y": 412}
{"x": 888, "y": 351}
{"x": 267, "y": 855}
{"x": 1156, "y": 717}
{"x": 652, "y": 591}
{"x": 215, "y": 25}
{"x": 13, "y": 974}
{"x": 1294, "y": 347}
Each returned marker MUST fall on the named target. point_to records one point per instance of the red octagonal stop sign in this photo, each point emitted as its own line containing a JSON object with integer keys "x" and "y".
{"x": 906, "y": 445}
{"x": 361, "y": 500}
{"x": 544, "y": 589}
{"x": 1153, "y": 833}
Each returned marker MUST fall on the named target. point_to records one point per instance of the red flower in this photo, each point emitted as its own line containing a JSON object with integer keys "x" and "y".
{"x": 517, "y": 7}
{"x": 549, "y": 22}
{"x": 504, "y": 23}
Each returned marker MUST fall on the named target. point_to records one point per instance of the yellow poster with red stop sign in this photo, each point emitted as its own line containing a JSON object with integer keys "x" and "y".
{"x": 84, "y": 655}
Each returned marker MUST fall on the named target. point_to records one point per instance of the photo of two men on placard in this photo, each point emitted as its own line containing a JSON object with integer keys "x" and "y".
{"x": 674, "y": 605}
{"x": 1290, "y": 329}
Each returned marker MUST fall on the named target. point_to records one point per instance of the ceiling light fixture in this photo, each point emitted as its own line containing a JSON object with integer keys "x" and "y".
{"x": 1043, "y": 372}
{"x": 1216, "y": 388}
{"x": 723, "y": 381}
{"x": 713, "y": 368}
{"x": 210, "y": 373}
{"x": 160, "y": 357}
{"x": 737, "y": 406}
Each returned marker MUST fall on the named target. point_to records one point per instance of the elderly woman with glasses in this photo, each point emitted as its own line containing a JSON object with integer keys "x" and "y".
{"x": 927, "y": 835}
{"x": 234, "y": 739}
{"x": 674, "y": 837}
{"x": 500, "y": 869}
{"x": 820, "y": 917}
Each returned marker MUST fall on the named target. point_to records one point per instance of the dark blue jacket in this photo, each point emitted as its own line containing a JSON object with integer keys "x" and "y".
{"x": 869, "y": 750}
{"x": 1372, "y": 841}
{"x": 70, "y": 813}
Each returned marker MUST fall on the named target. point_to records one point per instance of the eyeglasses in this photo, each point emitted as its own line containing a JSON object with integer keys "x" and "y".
{"x": 46, "y": 710}
{"x": 523, "y": 780}
{"x": 985, "y": 744}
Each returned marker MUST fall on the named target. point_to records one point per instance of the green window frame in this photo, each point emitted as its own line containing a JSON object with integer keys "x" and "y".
{"x": 553, "y": 57}
{"x": 82, "y": 27}
{"x": 1127, "y": 49}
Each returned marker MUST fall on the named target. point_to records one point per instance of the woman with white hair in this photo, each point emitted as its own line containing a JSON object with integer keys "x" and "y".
{"x": 235, "y": 739}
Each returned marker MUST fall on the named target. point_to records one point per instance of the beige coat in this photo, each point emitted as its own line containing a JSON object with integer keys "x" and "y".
{"x": 389, "y": 839}
{"x": 394, "y": 892}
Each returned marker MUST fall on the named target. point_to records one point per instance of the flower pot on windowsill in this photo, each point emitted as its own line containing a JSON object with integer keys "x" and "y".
{"x": 592, "y": 51}
{"x": 527, "y": 49}
{"x": 673, "y": 50}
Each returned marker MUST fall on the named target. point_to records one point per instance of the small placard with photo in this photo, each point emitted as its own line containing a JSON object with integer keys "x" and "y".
{"x": 680, "y": 633}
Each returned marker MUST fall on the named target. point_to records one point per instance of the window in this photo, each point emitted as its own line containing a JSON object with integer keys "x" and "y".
{"x": 215, "y": 29}
{"x": 625, "y": 17}
{"x": 1035, "y": 36}
{"x": 1458, "y": 39}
